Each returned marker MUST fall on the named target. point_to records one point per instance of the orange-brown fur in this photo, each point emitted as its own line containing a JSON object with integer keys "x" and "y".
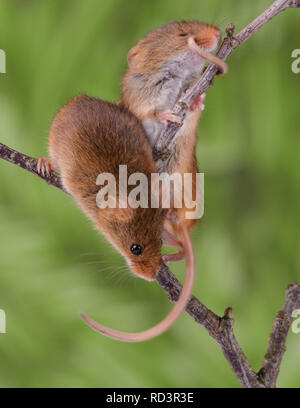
{"x": 157, "y": 48}
{"x": 89, "y": 137}
{"x": 151, "y": 56}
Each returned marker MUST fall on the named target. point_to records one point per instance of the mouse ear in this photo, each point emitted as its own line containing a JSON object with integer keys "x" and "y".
{"x": 132, "y": 56}
{"x": 112, "y": 205}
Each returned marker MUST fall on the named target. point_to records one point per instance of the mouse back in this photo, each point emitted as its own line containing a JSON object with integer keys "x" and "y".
{"x": 90, "y": 137}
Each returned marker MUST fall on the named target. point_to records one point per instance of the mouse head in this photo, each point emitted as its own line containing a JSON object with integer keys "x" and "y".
{"x": 170, "y": 41}
{"x": 137, "y": 234}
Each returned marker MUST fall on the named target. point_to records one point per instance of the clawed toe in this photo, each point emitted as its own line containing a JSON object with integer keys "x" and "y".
{"x": 44, "y": 166}
{"x": 198, "y": 104}
{"x": 168, "y": 116}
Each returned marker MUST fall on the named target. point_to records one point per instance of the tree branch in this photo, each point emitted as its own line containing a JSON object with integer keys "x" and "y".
{"x": 271, "y": 364}
{"x": 220, "y": 328}
{"x": 29, "y": 164}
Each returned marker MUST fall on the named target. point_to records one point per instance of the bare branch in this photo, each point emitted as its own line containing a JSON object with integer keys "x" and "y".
{"x": 271, "y": 364}
{"x": 29, "y": 164}
{"x": 220, "y": 328}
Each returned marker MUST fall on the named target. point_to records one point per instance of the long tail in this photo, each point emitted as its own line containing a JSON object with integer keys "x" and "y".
{"x": 208, "y": 57}
{"x": 175, "y": 312}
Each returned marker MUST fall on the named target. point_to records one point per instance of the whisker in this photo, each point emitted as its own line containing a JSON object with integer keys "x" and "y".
{"x": 89, "y": 253}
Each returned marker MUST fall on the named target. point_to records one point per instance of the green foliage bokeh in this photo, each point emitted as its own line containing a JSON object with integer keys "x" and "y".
{"x": 54, "y": 264}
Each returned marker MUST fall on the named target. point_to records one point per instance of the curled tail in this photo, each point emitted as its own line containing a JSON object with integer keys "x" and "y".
{"x": 180, "y": 306}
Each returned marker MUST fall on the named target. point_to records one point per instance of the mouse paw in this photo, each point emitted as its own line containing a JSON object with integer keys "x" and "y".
{"x": 198, "y": 104}
{"x": 167, "y": 116}
{"x": 44, "y": 166}
{"x": 173, "y": 257}
{"x": 171, "y": 240}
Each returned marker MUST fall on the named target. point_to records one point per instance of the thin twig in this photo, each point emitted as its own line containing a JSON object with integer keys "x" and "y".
{"x": 271, "y": 364}
{"x": 220, "y": 328}
{"x": 29, "y": 164}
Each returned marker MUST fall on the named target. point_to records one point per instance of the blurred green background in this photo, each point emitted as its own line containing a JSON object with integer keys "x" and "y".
{"x": 53, "y": 264}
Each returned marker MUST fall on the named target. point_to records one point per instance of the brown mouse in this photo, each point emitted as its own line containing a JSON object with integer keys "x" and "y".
{"x": 161, "y": 66}
{"x": 89, "y": 137}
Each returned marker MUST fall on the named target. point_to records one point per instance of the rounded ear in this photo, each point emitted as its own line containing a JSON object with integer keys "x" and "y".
{"x": 132, "y": 57}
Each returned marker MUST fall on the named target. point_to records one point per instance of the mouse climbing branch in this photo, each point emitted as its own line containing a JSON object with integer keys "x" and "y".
{"x": 164, "y": 146}
{"x": 220, "y": 328}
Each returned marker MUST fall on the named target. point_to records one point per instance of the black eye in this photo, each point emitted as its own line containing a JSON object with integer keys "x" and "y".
{"x": 183, "y": 35}
{"x": 136, "y": 249}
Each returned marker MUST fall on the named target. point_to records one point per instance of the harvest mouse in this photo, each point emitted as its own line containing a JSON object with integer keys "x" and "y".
{"x": 90, "y": 137}
{"x": 161, "y": 66}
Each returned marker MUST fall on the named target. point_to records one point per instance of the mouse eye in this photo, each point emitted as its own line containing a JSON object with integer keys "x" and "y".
{"x": 183, "y": 35}
{"x": 136, "y": 249}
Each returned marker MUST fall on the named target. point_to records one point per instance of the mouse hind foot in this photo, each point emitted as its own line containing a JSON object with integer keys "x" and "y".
{"x": 198, "y": 104}
{"x": 171, "y": 240}
{"x": 44, "y": 166}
